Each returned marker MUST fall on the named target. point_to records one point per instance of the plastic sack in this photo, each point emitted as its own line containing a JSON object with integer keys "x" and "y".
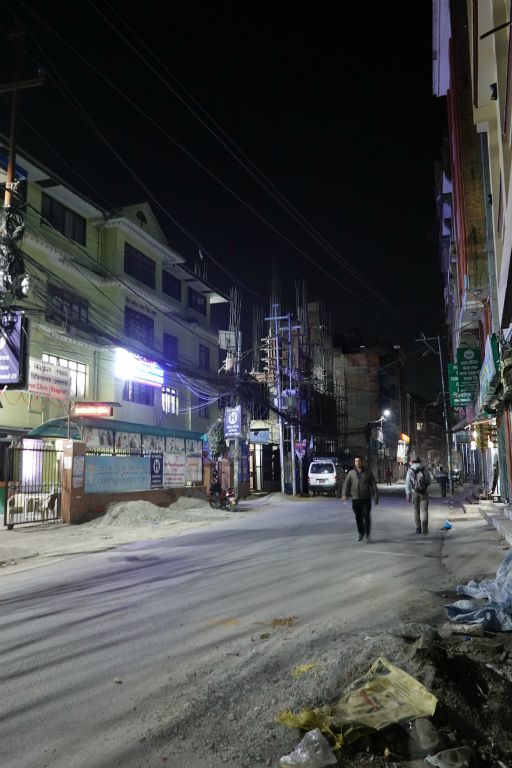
{"x": 383, "y": 696}
{"x": 496, "y": 615}
{"x": 312, "y": 752}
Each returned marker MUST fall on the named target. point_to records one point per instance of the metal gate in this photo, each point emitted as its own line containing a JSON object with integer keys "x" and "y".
{"x": 33, "y": 485}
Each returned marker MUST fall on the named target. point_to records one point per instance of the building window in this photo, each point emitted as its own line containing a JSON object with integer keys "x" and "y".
{"x": 139, "y": 266}
{"x": 170, "y": 348}
{"x": 170, "y": 400}
{"x": 420, "y": 426}
{"x": 64, "y": 220}
{"x": 171, "y": 285}
{"x": 77, "y": 373}
{"x": 196, "y": 301}
{"x": 136, "y": 392}
{"x": 64, "y": 306}
{"x": 204, "y": 358}
{"x": 200, "y": 408}
{"x": 138, "y": 326}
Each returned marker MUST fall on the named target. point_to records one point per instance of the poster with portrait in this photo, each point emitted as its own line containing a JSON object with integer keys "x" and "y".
{"x": 194, "y": 447}
{"x": 91, "y": 437}
{"x": 174, "y": 444}
{"x": 153, "y": 444}
{"x": 98, "y": 438}
{"x": 174, "y": 470}
{"x": 128, "y": 441}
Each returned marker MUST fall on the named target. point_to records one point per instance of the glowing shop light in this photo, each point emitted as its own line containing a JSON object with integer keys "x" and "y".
{"x": 92, "y": 409}
{"x": 130, "y": 367}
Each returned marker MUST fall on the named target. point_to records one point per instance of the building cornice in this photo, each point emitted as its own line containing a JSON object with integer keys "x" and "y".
{"x": 144, "y": 238}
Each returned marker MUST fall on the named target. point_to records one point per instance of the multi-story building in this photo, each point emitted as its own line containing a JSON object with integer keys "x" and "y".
{"x": 114, "y": 316}
{"x": 472, "y": 72}
{"x": 374, "y": 381}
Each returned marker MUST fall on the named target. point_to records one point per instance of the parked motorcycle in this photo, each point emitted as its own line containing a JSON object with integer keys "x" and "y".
{"x": 222, "y": 499}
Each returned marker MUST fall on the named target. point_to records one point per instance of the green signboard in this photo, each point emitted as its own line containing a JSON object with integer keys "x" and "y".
{"x": 468, "y": 366}
{"x": 457, "y": 398}
{"x": 490, "y": 372}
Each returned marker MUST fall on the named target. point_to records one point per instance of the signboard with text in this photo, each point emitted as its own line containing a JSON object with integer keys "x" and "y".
{"x": 105, "y": 474}
{"x": 468, "y": 366}
{"x": 48, "y": 380}
{"x": 12, "y": 345}
{"x": 490, "y": 371}
{"x": 457, "y": 398}
{"x": 157, "y": 469}
{"x": 233, "y": 422}
{"x": 174, "y": 470}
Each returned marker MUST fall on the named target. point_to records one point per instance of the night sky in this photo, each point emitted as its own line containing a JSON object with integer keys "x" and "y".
{"x": 331, "y": 109}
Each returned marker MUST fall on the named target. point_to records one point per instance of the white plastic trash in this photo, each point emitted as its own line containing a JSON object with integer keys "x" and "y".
{"x": 314, "y": 751}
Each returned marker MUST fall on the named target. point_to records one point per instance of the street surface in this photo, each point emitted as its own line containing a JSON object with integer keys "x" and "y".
{"x": 101, "y": 651}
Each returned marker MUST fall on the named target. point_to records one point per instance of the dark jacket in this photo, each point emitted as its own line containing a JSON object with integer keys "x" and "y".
{"x": 360, "y": 485}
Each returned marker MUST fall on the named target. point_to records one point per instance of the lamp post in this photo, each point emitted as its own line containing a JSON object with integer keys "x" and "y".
{"x": 385, "y": 415}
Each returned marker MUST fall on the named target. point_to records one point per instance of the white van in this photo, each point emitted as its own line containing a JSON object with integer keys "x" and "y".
{"x": 325, "y": 475}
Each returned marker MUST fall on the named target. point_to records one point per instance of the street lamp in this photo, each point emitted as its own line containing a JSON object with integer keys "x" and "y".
{"x": 379, "y": 448}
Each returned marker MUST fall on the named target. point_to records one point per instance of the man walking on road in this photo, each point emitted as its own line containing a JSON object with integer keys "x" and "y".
{"x": 416, "y": 490}
{"x": 361, "y": 486}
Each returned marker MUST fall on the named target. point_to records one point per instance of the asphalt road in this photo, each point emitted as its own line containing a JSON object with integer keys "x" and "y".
{"x": 91, "y": 644}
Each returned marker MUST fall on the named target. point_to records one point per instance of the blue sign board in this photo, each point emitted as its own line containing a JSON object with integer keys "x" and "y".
{"x": 12, "y": 368}
{"x": 157, "y": 470}
{"x": 117, "y": 473}
{"x": 233, "y": 422}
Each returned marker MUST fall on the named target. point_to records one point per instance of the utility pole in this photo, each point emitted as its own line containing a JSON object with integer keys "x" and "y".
{"x": 234, "y": 327}
{"x": 13, "y": 281}
{"x": 291, "y": 390}
{"x": 275, "y": 318}
{"x": 445, "y": 409}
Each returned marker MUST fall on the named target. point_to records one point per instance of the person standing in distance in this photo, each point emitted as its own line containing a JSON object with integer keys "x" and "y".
{"x": 417, "y": 481}
{"x": 361, "y": 486}
{"x": 442, "y": 479}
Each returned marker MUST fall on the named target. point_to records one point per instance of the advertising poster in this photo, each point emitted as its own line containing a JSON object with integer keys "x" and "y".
{"x": 174, "y": 470}
{"x": 194, "y": 473}
{"x": 128, "y": 441}
{"x": 97, "y": 438}
{"x": 173, "y": 444}
{"x": 153, "y": 443}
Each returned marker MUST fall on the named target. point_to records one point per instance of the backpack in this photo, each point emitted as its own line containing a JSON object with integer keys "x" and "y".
{"x": 419, "y": 480}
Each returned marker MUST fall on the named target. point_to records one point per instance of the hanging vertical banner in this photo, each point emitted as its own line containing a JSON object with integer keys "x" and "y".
{"x": 468, "y": 365}
{"x": 457, "y": 397}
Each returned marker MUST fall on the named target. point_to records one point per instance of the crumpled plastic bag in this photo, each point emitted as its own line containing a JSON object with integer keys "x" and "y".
{"x": 383, "y": 696}
{"x": 459, "y": 757}
{"x": 312, "y": 752}
{"x": 496, "y": 615}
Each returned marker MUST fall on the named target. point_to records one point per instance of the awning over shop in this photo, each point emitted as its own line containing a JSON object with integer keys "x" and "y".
{"x": 59, "y": 428}
{"x": 460, "y": 426}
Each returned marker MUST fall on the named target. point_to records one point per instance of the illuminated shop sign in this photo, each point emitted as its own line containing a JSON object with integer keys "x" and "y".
{"x": 92, "y": 409}
{"x": 12, "y": 349}
{"x": 130, "y": 367}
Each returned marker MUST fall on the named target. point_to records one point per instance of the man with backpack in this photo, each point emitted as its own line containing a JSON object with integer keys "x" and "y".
{"x": 416, "y": 490}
